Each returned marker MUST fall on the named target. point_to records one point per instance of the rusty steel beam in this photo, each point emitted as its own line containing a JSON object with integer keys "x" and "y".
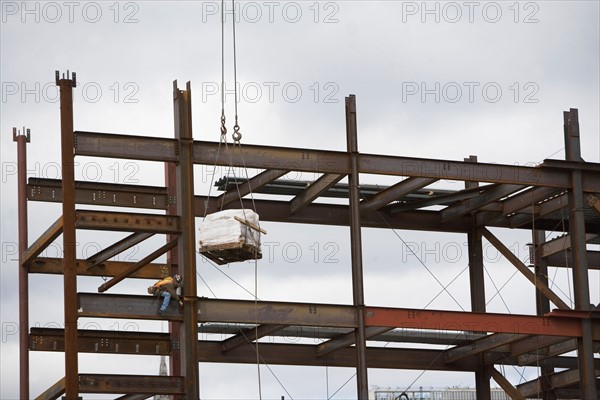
{"x": 100, "y": 342}
{"x": 561, "y": 244}
{"x": 394, "y": 192}
{"x": 43, "y": 241}
{"x": 138, "y": 265}
{"x": 251, "y": 185}
{"x": 443, "y": 199}
{"x": 118, "y": 248}
{"x": 479, "y": 346}
{"x": 534, "y": 344}
{"x": 514, "y": 260}
{"x": 100, "y": 193}
{"x": 526, "y": 199}
{"x": 134, "y": 397}
{"x": 313, "y": 191}
{"x": 54, "y": 391}
{"x": 322, "y": 161}
{"x": 131, "y": 384}
{"x": 43, "y": 265}
{"x": 186, "y": 249}
{"x": 250, "y": 335}
{"x": 563, "y": 260}
{"x": 67, "y": 145}
{"x": 552, "y": 350}
{"x": 347, "y": 339}
{"x": 594, "y": 202}
{"x": 529, "y": 214}
{"x": 127, "y": 222}
{"x": 577, "y": 233}
{"x": 556, "y": 381}
{"x": 331, "y": 315}
{"x": 302, "y": 354}
{"x": 22, "y": 140}
{"x": 510, "y": 390}
{"x": 468, "y": 206}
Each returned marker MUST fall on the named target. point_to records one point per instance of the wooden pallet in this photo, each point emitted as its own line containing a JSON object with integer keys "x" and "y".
{"x": 222, "y": 254}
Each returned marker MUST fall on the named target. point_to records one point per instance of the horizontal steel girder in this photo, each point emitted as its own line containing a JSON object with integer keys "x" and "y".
{"x": 321, "y": 161}
{"x": 130, "y": 384}
{"x": 98, "y": 341}
{"x": 45, "y": 265}
{"x": 128, "y": 222}
{"x": 329, "y": 315}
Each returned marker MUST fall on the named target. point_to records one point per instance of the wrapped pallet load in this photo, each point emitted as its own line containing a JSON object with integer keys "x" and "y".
{"x": 231, "y": 236}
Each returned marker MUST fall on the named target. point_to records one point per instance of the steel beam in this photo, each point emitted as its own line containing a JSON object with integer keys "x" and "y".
{"x": 526, "y": 199}
{"x": 249, "y": 186}
{"x": 131, "y": 384}
{"x": 556, "y": 381}
{"x": 514, "y": 260}
{"x": 313, "y": 191}
{"x": 43, "y": 265}
{"x": 69, "y": 235}
{"x": 100, "y": 194}
{"x": 118, "y": 248}
{"x": 100, "y": 342}
{"x": 42, "y": 241}
{"x": 137, "y": 266}
{"x": 54, "y": 391}
{"x": 594, "y": 202}
{"x": 347, "y": 339}
{"x": 127, "y": 222}
{"x": 470, "y": 205}
{"x": 22, "y": 140}
{"x": 184, "y": 171}
{"x": 479, "y": 346}
{"x": 394, "y": 192}
{"x": 321, "y": 161}
{"x": 534, "y": 344}
{"x": 561, "y": 244}
{"x": 439, "y": 200}
{"x": 577, "y": 233}
{"x": 510, "y": 390}
{"x": 250, "y": 335}
{"x": 562, "y": 260}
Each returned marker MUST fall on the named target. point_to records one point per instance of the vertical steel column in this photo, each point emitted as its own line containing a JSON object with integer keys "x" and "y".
{"x": 22, "y": 140}
{"x": 585, "y": 345}
{"x": 356, "y": 244}
{"x": 541, "y": 302}
{"x": 182, "y": 102}
{"x": 477, "y": 286}
{"x": 69, "y": 235}
{"x": 173, "y": 266}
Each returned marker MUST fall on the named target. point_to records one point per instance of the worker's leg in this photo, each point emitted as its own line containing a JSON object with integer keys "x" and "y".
{"x": 166, "y": 299}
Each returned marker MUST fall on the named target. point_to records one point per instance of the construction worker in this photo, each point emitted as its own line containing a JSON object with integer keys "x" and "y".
{"x": 167, "y": 288}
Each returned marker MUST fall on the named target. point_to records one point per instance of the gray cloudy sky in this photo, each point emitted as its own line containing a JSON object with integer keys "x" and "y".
{"x": 436, "y": 79}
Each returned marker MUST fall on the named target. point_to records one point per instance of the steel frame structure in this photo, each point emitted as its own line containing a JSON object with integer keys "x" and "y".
{"x": 509, "y": 197}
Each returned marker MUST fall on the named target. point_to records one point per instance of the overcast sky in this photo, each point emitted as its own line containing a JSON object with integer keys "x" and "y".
{"x": 436, "y": 79}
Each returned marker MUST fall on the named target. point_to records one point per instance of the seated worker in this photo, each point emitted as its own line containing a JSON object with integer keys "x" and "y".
{"x": 167, "y": 288}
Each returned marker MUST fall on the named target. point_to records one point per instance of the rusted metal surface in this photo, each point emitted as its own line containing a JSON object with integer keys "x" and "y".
{"x": 479, "y": 346}
{"x": 131, "y": 384}
{"x": 564, "y": 259}
{"x": 43, "y": 241}
{"x": 487, "y": 196}
{"x": 348, "y": 339}
{"x": 46, "y": 265}
{"x": 313, "y": 191}
{"x": 557, "y": 381}
{"x": 358, "y": 295}
{"x": 393, "y": 193}
{"x": 560, "y": 244}
{"x": 138, "y": 265}
{"x": 250, "y": 186}
{"x": 54, "y": 391}
{"x": 69, "y": 236}
{"x": 182, "y": 106}
{"x": 585, "y": 351}
{"x": 22, "y": 140}
{"x": 514, "y": 260}
{"x": 510, "y": 390}
{"x": 102, "y": 341}
{"x": 322, "y": 161}
{"x": 118, "y": 248}
{"x": 250, "y": 335}
{"x": 127, "y": 222}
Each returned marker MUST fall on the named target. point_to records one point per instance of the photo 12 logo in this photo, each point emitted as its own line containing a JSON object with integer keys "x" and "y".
{"x": 469, "y": 92}
{"x": 453, "y": 12}
{"x": 272, "y": 11}
{"x": 53, "y": 12}
{"x": 90, "y": 92}
{"x": 289, "y": 92}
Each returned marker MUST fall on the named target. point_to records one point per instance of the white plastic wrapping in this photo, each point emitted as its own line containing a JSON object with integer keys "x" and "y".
{"x": 221, "y": 228}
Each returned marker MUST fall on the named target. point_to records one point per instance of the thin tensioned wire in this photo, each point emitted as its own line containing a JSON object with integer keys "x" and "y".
{"x": 229, "y": 277}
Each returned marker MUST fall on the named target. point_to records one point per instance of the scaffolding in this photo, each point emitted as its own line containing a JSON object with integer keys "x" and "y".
{"x": 512, "y": 197}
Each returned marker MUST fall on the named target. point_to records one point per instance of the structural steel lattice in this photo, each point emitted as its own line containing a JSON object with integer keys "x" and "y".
{"x": 495, "y": 195}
